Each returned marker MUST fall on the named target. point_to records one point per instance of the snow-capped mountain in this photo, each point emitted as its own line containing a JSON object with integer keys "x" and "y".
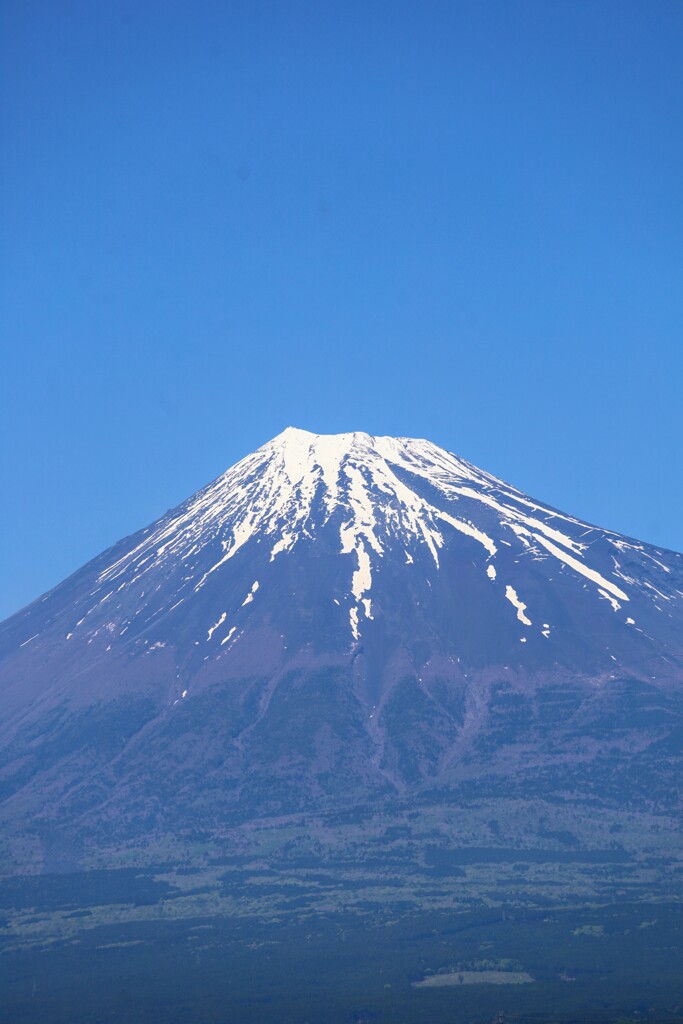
{"x": 331, "y": 606}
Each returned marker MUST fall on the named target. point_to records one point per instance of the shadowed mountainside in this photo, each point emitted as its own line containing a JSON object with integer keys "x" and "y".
{"x": 346, "y": 625}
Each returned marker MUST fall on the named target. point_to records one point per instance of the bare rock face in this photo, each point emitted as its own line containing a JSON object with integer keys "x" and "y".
{"x": 352, "y": 626}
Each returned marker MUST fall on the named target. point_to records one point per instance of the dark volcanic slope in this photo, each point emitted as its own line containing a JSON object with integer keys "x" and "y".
{"x": 337, "y": 620}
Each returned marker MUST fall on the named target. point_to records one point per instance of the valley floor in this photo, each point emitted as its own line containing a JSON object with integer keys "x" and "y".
{"x": 237, "y": 943}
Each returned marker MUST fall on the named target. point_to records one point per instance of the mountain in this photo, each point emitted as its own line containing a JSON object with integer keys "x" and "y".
{"x": 340, "y": 631}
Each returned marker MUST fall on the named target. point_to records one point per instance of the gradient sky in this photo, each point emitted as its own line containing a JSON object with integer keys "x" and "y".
{"x": 460, "y": 221}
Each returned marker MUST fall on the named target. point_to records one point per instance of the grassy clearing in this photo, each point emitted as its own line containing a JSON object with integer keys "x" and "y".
{"x": 474, "y": 978}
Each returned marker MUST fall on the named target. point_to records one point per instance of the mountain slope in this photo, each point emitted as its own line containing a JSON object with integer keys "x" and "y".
{"x": 339, "y": 622}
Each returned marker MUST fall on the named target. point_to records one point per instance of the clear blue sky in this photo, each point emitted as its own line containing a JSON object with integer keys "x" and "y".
{"x": 457, "y": 220}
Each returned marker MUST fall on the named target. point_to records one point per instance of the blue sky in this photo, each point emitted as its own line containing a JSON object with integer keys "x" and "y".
{"x": 461, "y": 221}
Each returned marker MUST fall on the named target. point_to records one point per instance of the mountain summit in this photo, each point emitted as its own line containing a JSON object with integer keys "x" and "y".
{"x": 336, "y": 619}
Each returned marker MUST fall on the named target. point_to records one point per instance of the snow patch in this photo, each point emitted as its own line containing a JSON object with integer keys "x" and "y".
{"x": 220, "y": 622}
{"x": 512, "y": 597}
{"x": 250, "y": 596}
{"x": 362, "y": 577}
{"x": 608, "y": 597}
{"x": 590, "y": 574}
{"x": 284, "y": 544}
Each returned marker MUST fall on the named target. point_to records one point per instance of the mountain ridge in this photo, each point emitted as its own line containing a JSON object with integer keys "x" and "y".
{"x": 334, "y": 622}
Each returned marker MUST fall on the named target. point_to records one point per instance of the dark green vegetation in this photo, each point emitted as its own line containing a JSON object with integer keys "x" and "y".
{"x": 185, "y": 946}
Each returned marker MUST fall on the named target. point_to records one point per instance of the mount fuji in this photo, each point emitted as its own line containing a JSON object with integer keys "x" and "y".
{"x": 346, "y": 628}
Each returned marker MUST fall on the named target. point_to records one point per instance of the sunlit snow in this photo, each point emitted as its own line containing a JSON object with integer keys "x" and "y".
{"x": 250, "y": 596}
{"x": 219, "y": 623}
{"x": 379, "y": 493}
{"x": 511, "y": 595}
